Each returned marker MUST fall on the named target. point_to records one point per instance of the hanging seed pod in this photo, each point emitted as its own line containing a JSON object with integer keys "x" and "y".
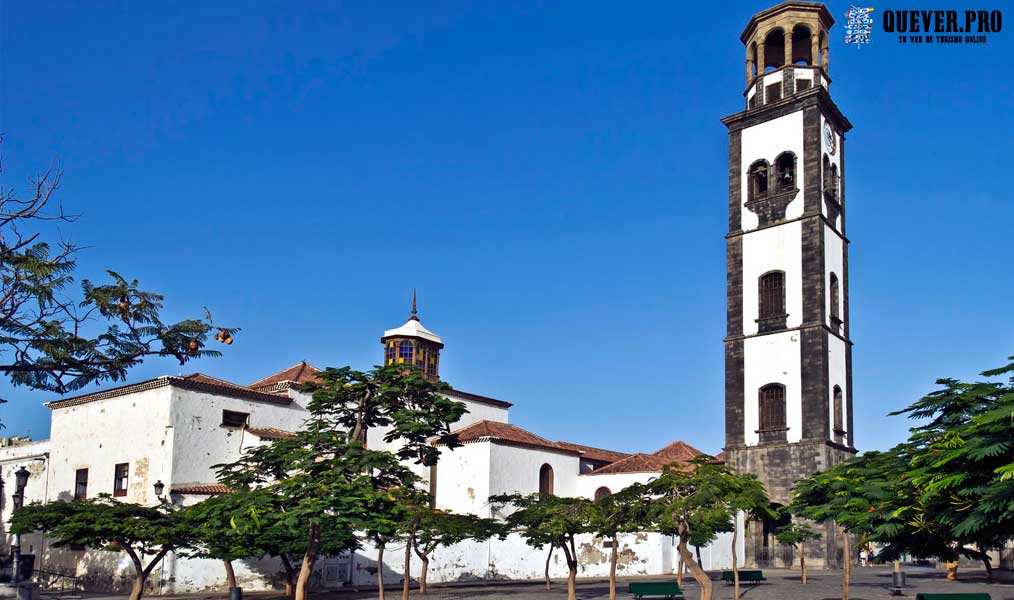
{"x": 193, "y": 345}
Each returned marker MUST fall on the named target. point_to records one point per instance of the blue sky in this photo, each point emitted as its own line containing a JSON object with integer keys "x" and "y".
{"x": 551, "y": 176}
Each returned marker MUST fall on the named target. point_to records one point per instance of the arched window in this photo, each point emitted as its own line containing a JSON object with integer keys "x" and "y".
{"x": 834, "y": 183}
{"x": 602, "y": 492}
{"x": 405, "y": 351}
{"x": 802, "y": 46}
{"x": 785, "y": 166}
{"x": 835, "y": 302}
{"x": 753, "y": 61}
{"x": 389, "y": 352}
{"x": 825, "y": 173}
{"x": 772, "y": 412}
{"x": 837, "y": 419}
{"x": 758, "y": 181}
{"x": 546, "y": 480}
{"x": 774, "y": 50}
{"x": 771, "y": 292}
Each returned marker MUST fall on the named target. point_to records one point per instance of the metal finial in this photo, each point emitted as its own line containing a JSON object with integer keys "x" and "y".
{"x": 415, "y": 313}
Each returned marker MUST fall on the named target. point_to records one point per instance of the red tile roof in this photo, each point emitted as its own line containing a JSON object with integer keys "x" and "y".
{"x": 635, "y": 463}
{"x": 300, "y": 372}
{"x": 200, "y": 489}
{"x": 270, "y": 433}
{"x": 596, "y": 454}
{"x": 720, "y": 457}
{"x": 507, "y": 434}
{"x": 678, "y": 451}
{"x": 195, "y": 382}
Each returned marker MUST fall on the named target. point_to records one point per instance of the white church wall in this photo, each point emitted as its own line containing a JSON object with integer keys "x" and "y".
{"x": 463, "y": 479}
{"x": 32, "y": 456}
{"x": 515, "y": 469}
{"x": 134, "y": 428}
{"x": 201, "y": 441}
{"x": 772, "y": 358}
{"x": 766, "y": 141}
{"x": 773, "y": 249}
{"x": 478, "y": 411}
{"x": 589, "y": 483}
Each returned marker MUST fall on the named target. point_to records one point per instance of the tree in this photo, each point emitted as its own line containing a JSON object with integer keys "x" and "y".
{"x": 962, "y": 460}
{"x": 693, "y": 501}
{"x": 429, "y": 528}
{"x": 105, "y": 523}
{"x": 746, "y": 495}
{"x": 325, "y": 480}
{"x": 796, "y": 534}
{"x": 612, "y": 515}
{"x": 543, "y": 518}
{"x": 52, "y": 341}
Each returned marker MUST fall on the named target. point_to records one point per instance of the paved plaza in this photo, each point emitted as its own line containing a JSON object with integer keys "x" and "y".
{"x": 867, "y": 584}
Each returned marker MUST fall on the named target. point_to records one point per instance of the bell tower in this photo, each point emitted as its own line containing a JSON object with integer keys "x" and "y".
{"x": 412, "y": 344}
{"x": 788, "y": 356}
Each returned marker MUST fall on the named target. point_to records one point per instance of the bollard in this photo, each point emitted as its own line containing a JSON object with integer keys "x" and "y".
{"x": 899, "y": 579}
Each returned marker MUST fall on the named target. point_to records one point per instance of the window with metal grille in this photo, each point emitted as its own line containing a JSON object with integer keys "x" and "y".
{"x": 120, "y": 472}
{"x": 405, "y": 351}
{"x": 389, "y": 352}
{"x": 758, "y": 180}
{"x": 835, "y": 300}
{"x": 81, "y": 484}
{"x": 772, "y": 407}
{"x": 772, "y": 294}
{"x": 838, "y": 418}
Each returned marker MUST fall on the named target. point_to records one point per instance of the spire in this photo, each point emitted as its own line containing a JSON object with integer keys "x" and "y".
{"x": 415, "y": 313}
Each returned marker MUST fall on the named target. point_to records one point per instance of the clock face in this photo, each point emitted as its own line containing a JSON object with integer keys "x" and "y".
{"x": 829, "y": 139}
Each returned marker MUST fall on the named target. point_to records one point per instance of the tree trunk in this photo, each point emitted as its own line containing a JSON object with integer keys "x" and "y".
{"x": 408, "y": 570}
{"x": 802, "y": 559}
{"x": 952, "y": 570}
{"x": 380, "y": 571}
{"x": 847, "y": 574}
{"x": 571, "y": 556}
{"x": 422, "y": 574}
{"x": 700, "y": 576}
{"x": 612, "y": 570}
{"x": 735, "y": 559}
{"x": 697, "y": 553}
{"x": 309, "y": 556}
{"x": 230, "y": 573}
{"x": 138, "y": 587}
{"x": 290, "y": 576}
{"x": 141, "y": 572}
{"x": 679, "y": 571}
{"x": 549, "y": 582}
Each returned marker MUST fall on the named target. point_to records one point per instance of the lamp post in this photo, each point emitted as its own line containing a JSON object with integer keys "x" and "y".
{"x": 159, "y": 488}
{"x": 21, "y": 480}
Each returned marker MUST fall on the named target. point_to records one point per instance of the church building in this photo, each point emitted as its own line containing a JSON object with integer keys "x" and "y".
{"x": 788, "y": 356}
{"x": 788, "y": 381}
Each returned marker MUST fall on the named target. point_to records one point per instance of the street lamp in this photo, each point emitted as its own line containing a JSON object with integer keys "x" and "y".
{"x": 159, "y": 488}
{"x": 20, "y": 480}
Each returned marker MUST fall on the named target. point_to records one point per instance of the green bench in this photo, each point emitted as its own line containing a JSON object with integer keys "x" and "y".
{"x": 966, "y": 596}
{"x": 745, "y": 576}
{"x": 666, "y": 589}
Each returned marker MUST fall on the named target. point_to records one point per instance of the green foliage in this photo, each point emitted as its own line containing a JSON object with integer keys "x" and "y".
{"x": 941, "y": 494}
{"x": 104, "y": 523}
{"x": 431, "y": 528}
{"x": 57, "y": 343}
{"x": 700, "y": 500}
{"x": 395, "y": 397}
{"x": 797, "y": 533}
{"x": 622, "y": 512}
{"x": 544, "y": 519}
